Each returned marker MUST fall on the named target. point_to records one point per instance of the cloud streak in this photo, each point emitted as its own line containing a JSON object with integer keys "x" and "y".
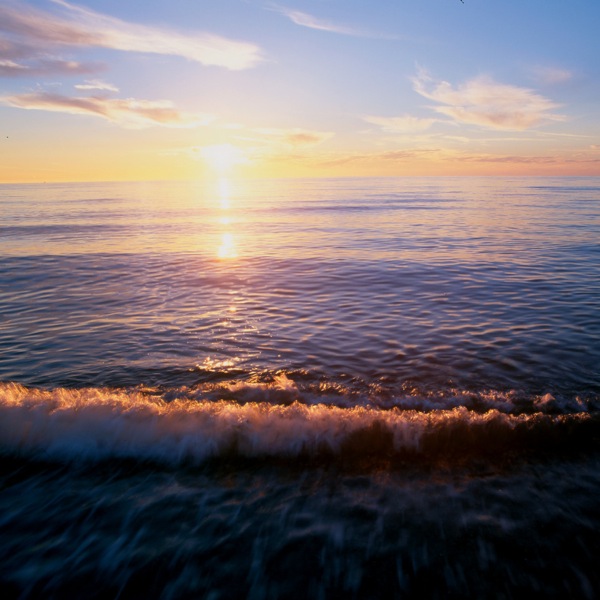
{"x": 389, "y": 156}
{"x": 581, "y": 159}
{"x": 551, "y": 75}
{"x": 127, "y": 112}
{"x": 34, "y": 32}
{"x": 293, "y": 137}
{"x": 21, "y": 59}
{"x": 403, "y": 124}
{"x": 442, "y": 157}
{"x": 486, "y": 103}
{"x": 266, "y": 139}
{"x": 96, "y": 84}
{"x": 304, "y": 19}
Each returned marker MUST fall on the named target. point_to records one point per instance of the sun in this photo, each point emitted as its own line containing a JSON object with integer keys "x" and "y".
{"x": 223, "y": 157}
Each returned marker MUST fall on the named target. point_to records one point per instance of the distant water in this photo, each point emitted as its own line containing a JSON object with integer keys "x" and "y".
{"x": 357, "y": 388}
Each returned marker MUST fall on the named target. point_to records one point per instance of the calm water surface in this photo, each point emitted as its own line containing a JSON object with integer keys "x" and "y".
{"x": 480, "y": 283}
{"x": 309, "y": 388}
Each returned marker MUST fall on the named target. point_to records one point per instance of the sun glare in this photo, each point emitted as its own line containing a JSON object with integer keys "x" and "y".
{"x": 223, "y": 157}
{"x": 224, "y": 193}
{"x": 227, "y": 247}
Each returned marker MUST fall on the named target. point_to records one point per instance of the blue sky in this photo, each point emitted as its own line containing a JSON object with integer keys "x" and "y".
{"x": 181, "y": 88}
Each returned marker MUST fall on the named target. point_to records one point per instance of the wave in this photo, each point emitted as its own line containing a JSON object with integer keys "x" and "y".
{"x": 172, "y": 427}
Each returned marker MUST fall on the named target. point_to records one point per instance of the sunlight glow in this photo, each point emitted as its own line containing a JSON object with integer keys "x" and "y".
{"x": 223, "y": 157}
{"x": 224, "y": 192}
{"x": 227, "y": 247}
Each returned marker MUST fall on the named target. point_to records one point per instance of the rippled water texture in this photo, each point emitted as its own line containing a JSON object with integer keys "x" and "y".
{"x": 470, "y": 282}
{"x": 367, "y": 388}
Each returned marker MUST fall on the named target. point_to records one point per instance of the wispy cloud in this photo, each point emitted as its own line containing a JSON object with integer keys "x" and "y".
{"x": 20, "y": 59}
{"x": 127, "y": 112}
{"x": 403, "y": 124}
{"x": 389, "y": 156}
{"x": 293, "y": 137}
{"x": 442, "y": 159}
{"x": 97, "y": 85}
{"x": 484, "y": 102}
{"x": 581, "y": 158}
{"x": 509, "y": 159}
{"x": 262, "y": 144}
{"x": 304, "y": 19}
{"x": 9, "y": 68}
{"x": 34, "y": 32}
{"x": 551, "y": 75}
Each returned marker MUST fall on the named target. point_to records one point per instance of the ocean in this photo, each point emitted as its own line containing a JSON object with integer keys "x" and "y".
{"x": 317, "y": 388}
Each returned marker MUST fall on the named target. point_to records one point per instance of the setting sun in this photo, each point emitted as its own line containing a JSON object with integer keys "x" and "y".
{"x": 223, "y": 157}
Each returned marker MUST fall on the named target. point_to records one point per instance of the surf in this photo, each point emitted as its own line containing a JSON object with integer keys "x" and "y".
{"x": 179, "y": 426}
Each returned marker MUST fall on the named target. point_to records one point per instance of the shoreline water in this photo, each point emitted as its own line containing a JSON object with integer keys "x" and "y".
{"x": 265, "y": 531}
{"x": 357, "y": 389}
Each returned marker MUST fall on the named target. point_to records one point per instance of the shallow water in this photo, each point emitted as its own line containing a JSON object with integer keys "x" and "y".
{"x": 316, "y": 388}
{"x": 276, "y": 531}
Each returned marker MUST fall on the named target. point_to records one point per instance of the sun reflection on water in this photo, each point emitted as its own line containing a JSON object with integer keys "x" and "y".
{"x": 224, "y": 191}
{"x": 227, "y": 247}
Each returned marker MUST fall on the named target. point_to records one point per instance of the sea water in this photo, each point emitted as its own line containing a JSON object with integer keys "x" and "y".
{"x": 357, "y": 388}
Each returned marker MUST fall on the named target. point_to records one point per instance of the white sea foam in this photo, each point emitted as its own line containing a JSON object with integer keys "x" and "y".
{"x": 97, "y": 423}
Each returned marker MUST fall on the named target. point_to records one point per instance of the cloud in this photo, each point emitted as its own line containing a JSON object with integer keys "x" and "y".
{"x": 35, "y": 32}
{"x": 484, "y": 102}
{"x": 390, "y": 156}
{"x": 403, "y": 124}
{"x": 584, "y": 157}
{"x": 306, "y": 20}
{"x": 9, "y": 68}
{"x": 42, "y": 28}
{"x": 278, "y": 145}
{"x": 96, "y": 84}
{"x": 18, "y": 59}
{"x": 294, "y": 137}
{"x": 442, "y": 159}
{"x": 526, "y": 160}
{"x": 551, "y": 75}
{"x": 127, "y": 112}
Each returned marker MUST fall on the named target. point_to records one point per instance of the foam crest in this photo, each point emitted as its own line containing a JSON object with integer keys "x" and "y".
{"x": 283, "y": 389}
{"x": 97, "y": 423}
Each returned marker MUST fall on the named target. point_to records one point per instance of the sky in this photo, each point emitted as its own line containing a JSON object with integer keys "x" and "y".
{"x": 189, "y": 89}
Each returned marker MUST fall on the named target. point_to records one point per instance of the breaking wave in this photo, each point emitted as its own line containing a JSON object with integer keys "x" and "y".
{"x": 273, "y": 421}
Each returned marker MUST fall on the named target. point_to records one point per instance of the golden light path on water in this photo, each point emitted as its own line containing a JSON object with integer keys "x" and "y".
{"x": 222, "y": 159}
{"x": 226, "y": 251}
{"x": 227, "y": 248}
